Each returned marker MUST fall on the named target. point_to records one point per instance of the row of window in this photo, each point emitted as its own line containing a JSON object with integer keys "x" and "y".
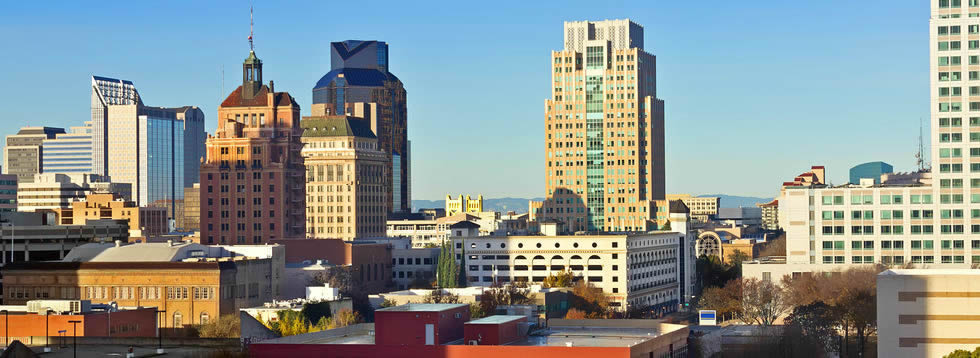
{"x": 898, "y": 245}
{"x": 900, "y": 260}
{"x": 882, "y": 199}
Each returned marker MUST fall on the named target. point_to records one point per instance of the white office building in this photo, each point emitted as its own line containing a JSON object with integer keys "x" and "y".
{"x": 69, "y": 153}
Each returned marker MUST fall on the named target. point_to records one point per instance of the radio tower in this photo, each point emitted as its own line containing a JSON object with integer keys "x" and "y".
{"x": 251, "y": 27}
{"x": 920, "y": 160}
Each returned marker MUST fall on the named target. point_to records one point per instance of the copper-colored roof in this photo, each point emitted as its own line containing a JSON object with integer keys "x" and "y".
{"x": 260, "y": 100}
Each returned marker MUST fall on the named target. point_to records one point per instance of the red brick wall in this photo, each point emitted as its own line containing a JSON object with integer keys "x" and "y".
{"x": 373, "y": 261}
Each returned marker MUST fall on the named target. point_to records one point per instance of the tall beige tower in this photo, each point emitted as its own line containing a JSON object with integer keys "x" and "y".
{"x": 604, "y": 130}
{"x": 346, "y": 178}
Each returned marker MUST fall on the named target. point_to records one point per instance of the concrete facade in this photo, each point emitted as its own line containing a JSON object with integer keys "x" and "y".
{"x": 346, "y": 177}
{"x": 69, "y": 152}
{"x": 702, "y": 208}
{"x": 59, "y": 191}
{"x": 928, "y": 313}
{"x": 143, "y": 221}
{"x": 604, "y": 131}
{"x": 23, "y": 154}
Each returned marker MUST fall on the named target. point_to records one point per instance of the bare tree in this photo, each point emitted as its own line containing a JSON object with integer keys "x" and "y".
{"x": 763, "y": 302}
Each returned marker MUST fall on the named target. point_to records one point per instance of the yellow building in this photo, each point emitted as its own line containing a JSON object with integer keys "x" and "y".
{"x": 143, "y": 221}
{"x": 463, "y": 205}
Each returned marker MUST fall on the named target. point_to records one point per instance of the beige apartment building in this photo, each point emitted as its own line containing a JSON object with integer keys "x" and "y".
{"x": 604, "y": 130}
{"x": 928, "y": 313}
{"x": 702, "y": 208}
{"x": 345, "y": 178}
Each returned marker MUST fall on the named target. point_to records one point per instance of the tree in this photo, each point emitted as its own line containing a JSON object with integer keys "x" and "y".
{"x": 775, "y": 247}
{"x": 726, "y": 300}
{"x": 666, "y": 226}
{"x": 388, "y": 303}
{"x": 816, "y": 325}
{"x": 447, "y": 273}
{"x": 574, "y": 314}
{"x": 561, "y": 279}
{"x": 589, "y": 299}
{"x": 762, "y": 302}
{"x": 502, "y": 295}
{"x": 227, "y": 326}
{"x": 349, "y": 285}
{"x": 735, "y": 261}
{"x": 959, "y": 353}
{"x": 476, "y": 311}
{"x": 712, "y": 272}
{"x": 440, "y": 296}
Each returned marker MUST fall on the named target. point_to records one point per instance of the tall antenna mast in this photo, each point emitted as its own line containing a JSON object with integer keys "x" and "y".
{"x": 251, "y": 27}
{"x": 919, "y": 159}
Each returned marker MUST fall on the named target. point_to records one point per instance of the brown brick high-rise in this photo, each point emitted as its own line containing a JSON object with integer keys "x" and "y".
{"x": 252, "y": 184}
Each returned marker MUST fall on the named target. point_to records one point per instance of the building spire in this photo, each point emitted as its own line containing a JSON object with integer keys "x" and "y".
{"x": 251, "y": 28}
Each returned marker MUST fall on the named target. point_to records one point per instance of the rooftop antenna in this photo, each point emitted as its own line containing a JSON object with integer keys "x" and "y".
{"x": 919, "y": 158}
{"x": 251, "y": 26}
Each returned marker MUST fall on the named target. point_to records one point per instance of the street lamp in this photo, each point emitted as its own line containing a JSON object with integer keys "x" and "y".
{"x": 47, "y": 330}
{"x": 6, "y": 329}
{"x": 160, "y": 330}
{"x": 74, "y": 338}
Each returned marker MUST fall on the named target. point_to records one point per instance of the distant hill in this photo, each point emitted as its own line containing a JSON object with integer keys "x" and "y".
{"x": 734, "y": 201}
{"x": 518, "y": 205}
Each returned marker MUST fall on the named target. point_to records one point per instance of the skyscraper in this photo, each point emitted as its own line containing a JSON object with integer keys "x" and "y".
{"x": 144, "y": 146}
{"x": 69, "y": 152}
{"x": 252, "y": 184}
{"x": 346, "y": 178}
{"x": 22, "y": 154}
{"x": 359, "y": 84}
{"x": 604, "y": 130}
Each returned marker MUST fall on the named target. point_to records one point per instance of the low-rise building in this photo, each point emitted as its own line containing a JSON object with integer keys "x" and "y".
{"x": 37, "y": 320}
{"x": 58, "y": 191}
{"x": 37, "y": 236}
{"x": 546, "y": 302}
{"x": 445, "y": 330}
{"x": 369, "y": 261}
{"x": 194, "y": 283}
{"x": 143, "y": 221}
{"x": 650, "y": 271}
{"x": 927, "y": 312}
{"x": 703, "y": 208}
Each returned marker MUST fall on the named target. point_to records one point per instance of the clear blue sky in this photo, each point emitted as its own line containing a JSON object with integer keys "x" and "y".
{"x": 755, "y": 92}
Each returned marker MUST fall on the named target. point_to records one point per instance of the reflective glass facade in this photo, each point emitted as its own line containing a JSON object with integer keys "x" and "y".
{"x": 161, "y": 163}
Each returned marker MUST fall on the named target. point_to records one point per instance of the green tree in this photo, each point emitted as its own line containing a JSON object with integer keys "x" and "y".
{"x": 735, "y": 262}
{"x": 666, "y": 226}
{"x": 559, "y": 279}
{"x": 388, "y": 303}
{"x": 440, "y": 296}
{"x": 447, "y": 272}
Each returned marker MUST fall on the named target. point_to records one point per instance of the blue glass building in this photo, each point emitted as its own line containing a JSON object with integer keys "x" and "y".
{"x": 870, "y": 170}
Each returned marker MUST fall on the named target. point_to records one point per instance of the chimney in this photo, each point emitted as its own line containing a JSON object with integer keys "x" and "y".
{"x": 272, "y": 87}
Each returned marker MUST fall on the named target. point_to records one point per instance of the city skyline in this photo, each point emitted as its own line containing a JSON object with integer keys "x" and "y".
{"x": 819, "y": 66}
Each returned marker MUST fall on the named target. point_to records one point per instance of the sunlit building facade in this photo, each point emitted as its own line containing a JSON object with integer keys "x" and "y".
{"x": 604, "y": 129}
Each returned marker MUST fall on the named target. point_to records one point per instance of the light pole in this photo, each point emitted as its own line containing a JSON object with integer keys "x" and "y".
{"x": 6, "y": 329}
{"x": 47, "y": 330}
{"x": 74, "y": 338}
{"x": 160, "y": 330}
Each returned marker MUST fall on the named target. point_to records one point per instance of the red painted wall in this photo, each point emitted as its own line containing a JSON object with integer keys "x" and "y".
{"x": 493, "y": 334}
{"x": 138, "y": 323}
{"x": 441, "y": 351}
{"x": 408, "y": 328}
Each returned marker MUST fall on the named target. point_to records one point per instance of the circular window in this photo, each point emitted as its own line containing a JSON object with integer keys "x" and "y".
{"x": 473, "y": 246}
{"x": 488, "y": 245}
{"x": 557, "y": 245}
{"x": 539, "y": 245}
{"x": 575, "y": 245}
{"x": 595, "y": 245}
{"x": 520, "y": 245}
{"x": 502, "y": 245}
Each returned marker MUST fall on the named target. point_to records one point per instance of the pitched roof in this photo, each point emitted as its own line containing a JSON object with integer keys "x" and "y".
{"x": 336, "y": 126}
{"x": 280, "y": 99}
{"x": 677, "y": 206}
